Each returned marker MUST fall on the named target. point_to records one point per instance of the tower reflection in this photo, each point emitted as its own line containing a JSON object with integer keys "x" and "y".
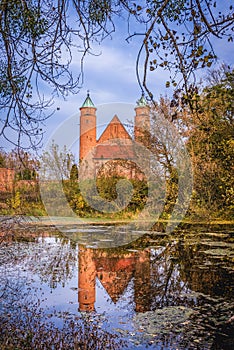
{"x": 114, "y": 269}
{"x": 163, "y": 276}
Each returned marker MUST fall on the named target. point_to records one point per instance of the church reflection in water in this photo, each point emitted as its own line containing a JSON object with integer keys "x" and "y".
{"x": 114, "y": 270}
{"x": 162, "y": 276}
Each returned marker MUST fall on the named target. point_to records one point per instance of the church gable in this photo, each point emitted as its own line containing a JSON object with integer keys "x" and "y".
{"x": 114, "y": 130}
{"x": 115, "y": 273}
{"x": 115, "y": 283}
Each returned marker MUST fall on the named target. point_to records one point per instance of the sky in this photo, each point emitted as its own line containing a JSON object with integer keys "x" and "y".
{"x": 111, "y": 79}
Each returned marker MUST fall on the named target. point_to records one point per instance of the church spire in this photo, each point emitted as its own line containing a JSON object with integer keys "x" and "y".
{"x": 142, "y": 101}
{"x": 142, "y": 120}
{"x": 88, "y": 102}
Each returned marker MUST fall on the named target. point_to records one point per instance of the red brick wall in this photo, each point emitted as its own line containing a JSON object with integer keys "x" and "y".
{"x": 142, "y": 123}
{"x": 87, "y": 130}
{"x": 6, "y": 179}
{"x": 114, "y": 130}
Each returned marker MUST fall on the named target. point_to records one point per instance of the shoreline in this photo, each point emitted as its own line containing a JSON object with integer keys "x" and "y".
{"x": 64, "y": 221}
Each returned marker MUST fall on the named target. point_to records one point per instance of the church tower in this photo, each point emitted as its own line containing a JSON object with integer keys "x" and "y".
{"x": 87, "y": 127}
{"x": 87, "y": 279}
{"x": 142, "y": 120}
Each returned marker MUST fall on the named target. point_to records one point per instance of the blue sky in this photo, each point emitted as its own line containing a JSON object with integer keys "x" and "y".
{"x": 111, "y": 78}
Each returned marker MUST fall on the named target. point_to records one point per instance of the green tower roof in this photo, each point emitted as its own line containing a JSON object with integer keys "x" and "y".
{"x": 88, "y": 102}
{"x": 142, "y": 101}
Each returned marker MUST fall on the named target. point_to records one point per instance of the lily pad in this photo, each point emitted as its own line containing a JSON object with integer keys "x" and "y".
{"x": 163, "y": 320}
{"x": 219, "y": 252}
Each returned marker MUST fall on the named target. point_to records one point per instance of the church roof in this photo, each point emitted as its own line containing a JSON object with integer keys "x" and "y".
{"x": 114, "y": 152}
{"x": 88, "y": 102}
{"x": 142, "y": 101}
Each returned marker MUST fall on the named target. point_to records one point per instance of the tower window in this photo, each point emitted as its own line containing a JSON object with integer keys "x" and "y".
{"x": 87, "y": 121}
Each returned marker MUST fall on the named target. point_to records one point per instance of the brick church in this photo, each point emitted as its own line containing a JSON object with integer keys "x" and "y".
{"x": 115, "y": 151}
{"x": 114, "y": 269}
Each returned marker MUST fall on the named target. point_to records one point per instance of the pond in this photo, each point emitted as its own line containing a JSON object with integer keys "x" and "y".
{"x": 159, "y": 292}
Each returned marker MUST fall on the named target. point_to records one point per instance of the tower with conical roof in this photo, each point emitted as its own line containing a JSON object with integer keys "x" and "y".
{"x": 87, "y": 127}
{"x": 109, "y": 147}
{"x": 142, "y": 120}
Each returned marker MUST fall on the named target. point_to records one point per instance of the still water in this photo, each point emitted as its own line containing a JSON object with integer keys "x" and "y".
{"x": 160, "y": 292}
